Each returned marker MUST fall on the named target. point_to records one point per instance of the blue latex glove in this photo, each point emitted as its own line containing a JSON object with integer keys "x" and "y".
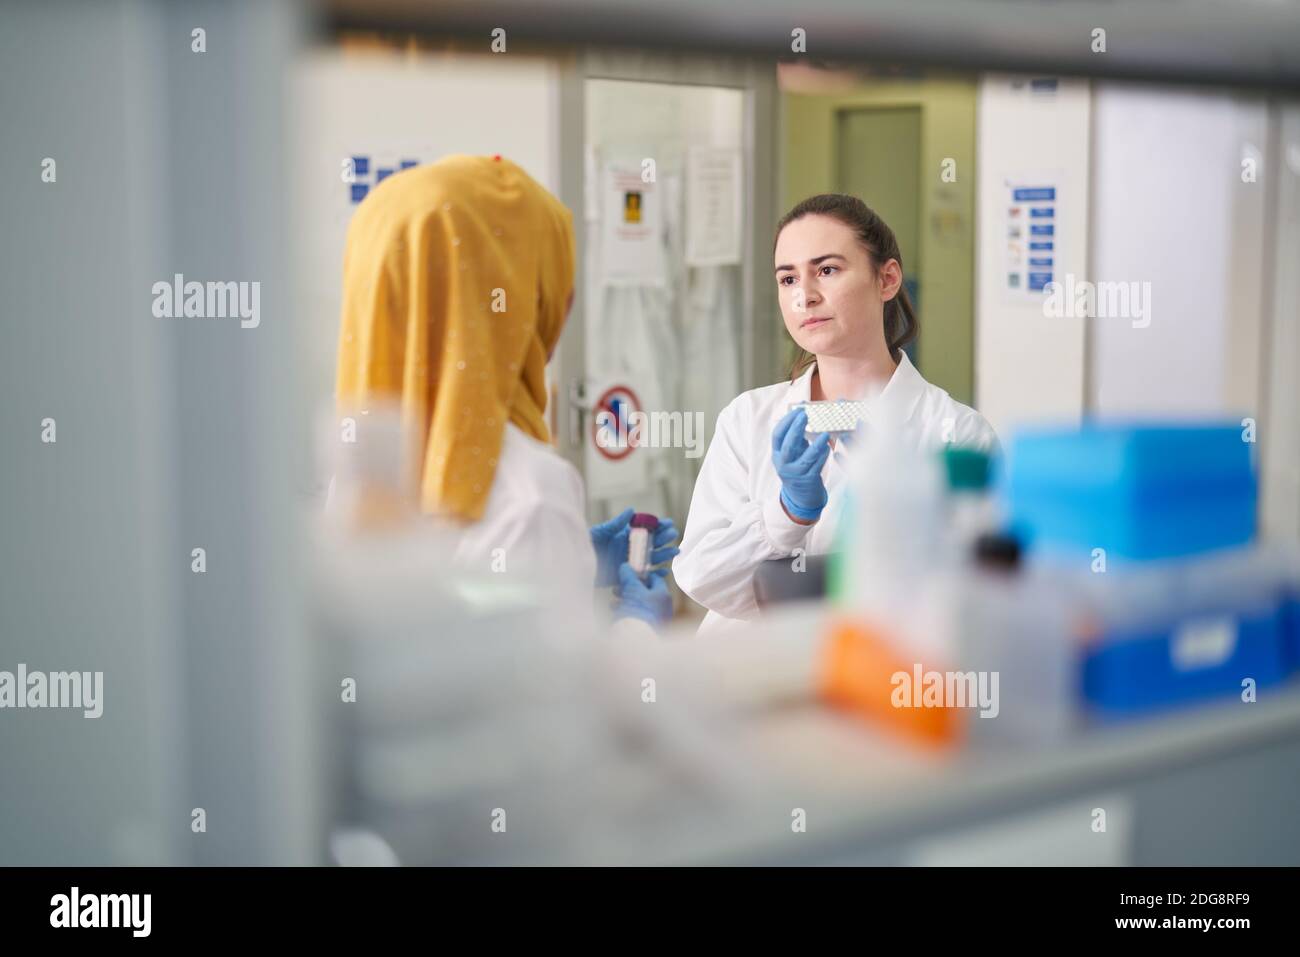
{"x": 609, "y": 540}
{"x": 647, "y": 600}
{"x": 799, "y": 464}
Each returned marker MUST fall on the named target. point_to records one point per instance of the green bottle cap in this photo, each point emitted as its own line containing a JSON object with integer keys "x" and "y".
{"x": 967, "y": 469}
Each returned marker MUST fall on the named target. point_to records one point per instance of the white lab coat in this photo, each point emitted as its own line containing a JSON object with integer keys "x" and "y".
{"x": 534, "y": 523}
{"x": 533, "y": 528}
{"x": 534, "y": 517}
{"x": 736, "y": 520}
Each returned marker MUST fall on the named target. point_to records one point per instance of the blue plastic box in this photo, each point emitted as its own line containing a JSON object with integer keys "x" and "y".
{"x": 1176, "y": 631}
{"x": 1291, "y": 631}
{"x": 1126, "y": 674}
{"x": 1140, "y": 492}
{"x": 1288, "y": 562}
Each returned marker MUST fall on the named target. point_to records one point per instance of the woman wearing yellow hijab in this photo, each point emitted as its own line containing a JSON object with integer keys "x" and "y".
{"x": 457, "y": 280}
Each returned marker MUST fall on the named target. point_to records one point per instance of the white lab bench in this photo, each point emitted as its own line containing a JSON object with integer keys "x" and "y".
{"x": 725, "y": 778}
{"x": 1214, "y": 783}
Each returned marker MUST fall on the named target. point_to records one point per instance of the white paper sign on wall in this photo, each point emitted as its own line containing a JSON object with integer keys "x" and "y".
{"x": 713, "y": 207}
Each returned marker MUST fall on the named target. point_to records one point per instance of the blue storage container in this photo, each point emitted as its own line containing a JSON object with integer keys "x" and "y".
{"x": 1140, "y": 492}
{"x": 1277, "y": 566}
{"x": 1131, "y": 673}
{"x": 1288, "y": 558}
{"x": 1177, "y": 631}
{"x": 1291, "y": 631}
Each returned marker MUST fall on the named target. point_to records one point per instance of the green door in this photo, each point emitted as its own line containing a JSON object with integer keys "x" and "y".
{"x": 880, "y": 161}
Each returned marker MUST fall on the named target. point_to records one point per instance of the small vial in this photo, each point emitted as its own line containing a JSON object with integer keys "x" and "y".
{"x": 641, "y": 541}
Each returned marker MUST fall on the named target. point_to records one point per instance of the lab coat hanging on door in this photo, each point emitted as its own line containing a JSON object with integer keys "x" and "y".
{"x": 631, "y": 350}
{"x": 711, "y": 351}
{"x": 712, "y": 228}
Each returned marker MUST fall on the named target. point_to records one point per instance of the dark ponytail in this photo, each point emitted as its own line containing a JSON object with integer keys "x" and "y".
{"x": 874, "y": 234}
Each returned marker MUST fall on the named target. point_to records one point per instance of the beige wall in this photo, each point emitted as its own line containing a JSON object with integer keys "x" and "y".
{"x": 946, "y": 259}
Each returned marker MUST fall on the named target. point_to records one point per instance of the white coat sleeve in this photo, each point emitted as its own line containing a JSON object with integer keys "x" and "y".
{"x": 551, "y": 537}
{"x": 728, "y": 534}
{"x": 973, "y": 430}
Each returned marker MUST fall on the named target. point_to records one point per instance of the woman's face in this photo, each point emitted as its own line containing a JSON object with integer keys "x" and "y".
{"x": 831, "y": 298}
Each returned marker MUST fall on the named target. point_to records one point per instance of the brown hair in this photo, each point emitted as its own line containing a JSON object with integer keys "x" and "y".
{"x": 901, "y": 324}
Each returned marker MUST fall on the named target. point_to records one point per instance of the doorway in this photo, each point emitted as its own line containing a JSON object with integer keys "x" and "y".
{"x": 879, "y": 160}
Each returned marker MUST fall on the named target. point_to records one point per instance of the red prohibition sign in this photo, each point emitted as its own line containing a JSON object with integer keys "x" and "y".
{"x": 610, "y": 401}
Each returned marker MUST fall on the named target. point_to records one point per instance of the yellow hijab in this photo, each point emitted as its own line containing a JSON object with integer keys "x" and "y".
{"x": 456, "y": 281}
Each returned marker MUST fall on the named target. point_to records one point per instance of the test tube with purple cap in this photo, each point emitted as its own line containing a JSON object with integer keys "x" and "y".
{"x": 641, "y": 542}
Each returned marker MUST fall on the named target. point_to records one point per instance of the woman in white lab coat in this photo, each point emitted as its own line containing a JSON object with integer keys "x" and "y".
{"x": 764, "y": 491}
{"x": 457, "y": 281}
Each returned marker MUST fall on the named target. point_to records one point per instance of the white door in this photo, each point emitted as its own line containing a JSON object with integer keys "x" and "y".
{"x": 676, "y": 188}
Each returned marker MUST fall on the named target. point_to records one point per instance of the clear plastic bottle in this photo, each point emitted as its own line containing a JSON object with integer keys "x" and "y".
{"x": 972, "y": 509}
{"x": 368, "y": 454}
{"x": 1016, "y": 621}
{"x": 921, "y": 569}
{"x": 890, "y": 539}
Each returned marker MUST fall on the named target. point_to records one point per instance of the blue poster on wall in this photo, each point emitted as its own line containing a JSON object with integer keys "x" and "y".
{"x": 361, "y": 175}
{"x": 1031, "y": 236}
